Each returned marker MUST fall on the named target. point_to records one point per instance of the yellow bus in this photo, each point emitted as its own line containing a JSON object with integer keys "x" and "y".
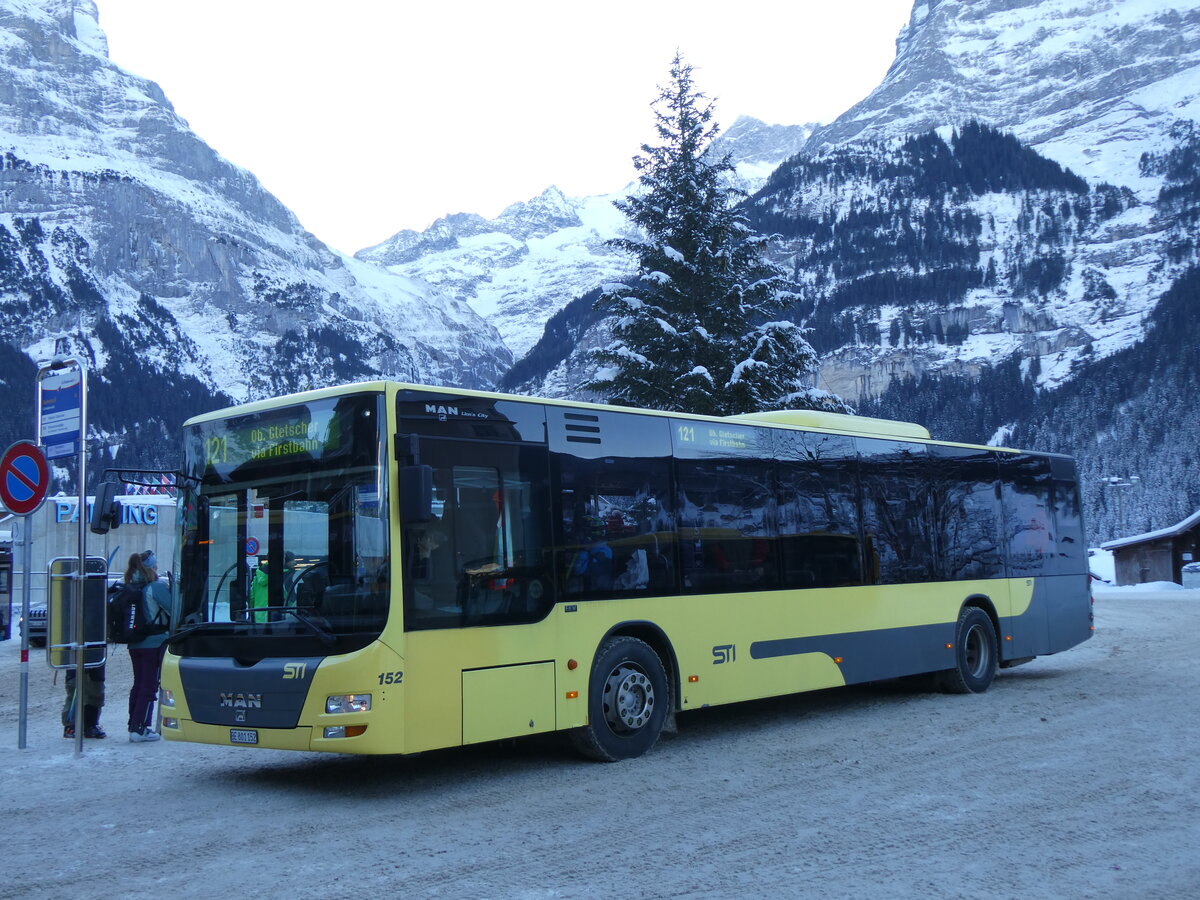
{"x": 393, "y": 568}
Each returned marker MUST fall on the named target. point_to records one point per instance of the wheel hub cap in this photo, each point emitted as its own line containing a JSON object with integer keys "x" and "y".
{"x": 628, "y": 699}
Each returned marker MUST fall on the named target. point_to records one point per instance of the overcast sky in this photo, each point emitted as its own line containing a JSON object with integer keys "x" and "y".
{"x": 366, "y": 117}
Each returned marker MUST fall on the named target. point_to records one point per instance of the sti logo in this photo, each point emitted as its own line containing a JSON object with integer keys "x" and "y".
{"x": 724, "y": 653}
{"x": 294, "y": 670}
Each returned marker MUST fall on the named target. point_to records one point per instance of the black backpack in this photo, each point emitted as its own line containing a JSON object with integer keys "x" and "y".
{"x": 127, "y": 619}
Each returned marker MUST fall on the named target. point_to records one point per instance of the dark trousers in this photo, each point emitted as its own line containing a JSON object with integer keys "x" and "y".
{"x": 93, "y": 697}
{"x": 146, "y": 665}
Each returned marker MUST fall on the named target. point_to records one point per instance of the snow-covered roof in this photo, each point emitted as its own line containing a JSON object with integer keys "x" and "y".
{"x": 1186, "y": 525}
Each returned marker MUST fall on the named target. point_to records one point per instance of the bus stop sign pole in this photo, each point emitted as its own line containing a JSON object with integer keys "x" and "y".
{"x": 24, "y": 482}
{"x": 62, "y": 429}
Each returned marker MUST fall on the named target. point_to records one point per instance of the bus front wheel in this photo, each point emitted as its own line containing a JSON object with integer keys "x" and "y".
{"x": 974, "y": 652}
{"x": 628, "y": 701}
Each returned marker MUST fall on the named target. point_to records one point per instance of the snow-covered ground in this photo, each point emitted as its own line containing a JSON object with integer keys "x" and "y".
{"x": 1074, "y": 776}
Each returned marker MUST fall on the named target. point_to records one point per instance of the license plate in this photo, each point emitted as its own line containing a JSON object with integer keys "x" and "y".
{"x": 242, "y": 736}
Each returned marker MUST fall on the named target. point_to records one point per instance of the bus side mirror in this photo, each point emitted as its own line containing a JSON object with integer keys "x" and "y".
{"x": 416, "y": 494}
{"x": 106, "y": 511}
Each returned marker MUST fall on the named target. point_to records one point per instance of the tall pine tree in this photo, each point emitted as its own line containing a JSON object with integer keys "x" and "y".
{"x": 699, "y": 328}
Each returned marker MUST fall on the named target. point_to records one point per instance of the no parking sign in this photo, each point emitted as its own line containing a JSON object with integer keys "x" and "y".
{"x": 24, "y": 478}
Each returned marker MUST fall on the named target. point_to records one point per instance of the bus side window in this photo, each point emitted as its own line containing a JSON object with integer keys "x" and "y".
{"x": 817, "y": 508}
{"x": 481, "y": 557}
{"x": 616, "y": 528}
{"x": 726, "y": 525}
{"x": 1027, "y": 515}
{"x": 896, "y": 508}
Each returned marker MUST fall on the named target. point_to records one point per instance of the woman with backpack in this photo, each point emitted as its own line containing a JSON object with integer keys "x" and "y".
{"x": 146, "y": 654}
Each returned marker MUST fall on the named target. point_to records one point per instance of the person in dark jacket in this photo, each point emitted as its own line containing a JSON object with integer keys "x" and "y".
{"x": 146, "y": 655}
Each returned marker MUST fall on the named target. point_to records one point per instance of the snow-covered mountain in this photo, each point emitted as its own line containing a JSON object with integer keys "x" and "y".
{"x": 1100, "y": 87}
{"x": 123, "y": 231}
{"x": 1096, "y": 86}
{"x": 1000, "y": 216}
{"x": 515, "y": 270}
{"x": 520, "y": 268}
{"x": 930, "y": 247}
{"x": 1092, "y": 84}
{"x": 1004, "y": 215}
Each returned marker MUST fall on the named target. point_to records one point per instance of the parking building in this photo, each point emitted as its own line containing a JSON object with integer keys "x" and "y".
{"x": 147, "y": 523}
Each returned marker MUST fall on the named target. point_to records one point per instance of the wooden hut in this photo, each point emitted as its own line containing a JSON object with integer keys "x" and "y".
{"x": 1159, "y": 555}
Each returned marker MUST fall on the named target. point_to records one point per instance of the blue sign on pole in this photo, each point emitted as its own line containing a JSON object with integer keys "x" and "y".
{"x": 61, "y": 413}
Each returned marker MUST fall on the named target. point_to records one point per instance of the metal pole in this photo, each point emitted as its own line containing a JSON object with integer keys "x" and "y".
{"x": 27, "y": 542}
{"x": 81, "y": 567}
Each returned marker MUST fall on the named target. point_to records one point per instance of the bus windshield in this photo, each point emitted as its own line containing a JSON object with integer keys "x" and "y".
{"x": 285, "y": 529}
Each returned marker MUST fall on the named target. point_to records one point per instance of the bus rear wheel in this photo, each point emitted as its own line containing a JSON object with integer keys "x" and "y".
{"x": 975, "y": 654}
{"x": 628, "y": 701}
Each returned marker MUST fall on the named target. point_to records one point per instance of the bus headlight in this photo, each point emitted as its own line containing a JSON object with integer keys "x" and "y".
{"x": 348, "y": 703}
{"x": 165, "y": 697}
{"x": 344, "y": 731}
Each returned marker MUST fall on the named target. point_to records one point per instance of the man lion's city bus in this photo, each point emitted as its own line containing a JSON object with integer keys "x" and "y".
{"x": 390, "y": 568}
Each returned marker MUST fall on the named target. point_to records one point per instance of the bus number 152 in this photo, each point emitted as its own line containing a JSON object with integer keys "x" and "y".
{"x": 391, "y": 677}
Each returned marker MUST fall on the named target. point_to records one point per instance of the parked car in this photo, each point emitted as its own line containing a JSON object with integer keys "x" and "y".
{"x": 37, "y": 625}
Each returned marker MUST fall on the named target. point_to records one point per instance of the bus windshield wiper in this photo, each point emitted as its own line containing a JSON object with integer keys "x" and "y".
{"x": 328, "y": 638}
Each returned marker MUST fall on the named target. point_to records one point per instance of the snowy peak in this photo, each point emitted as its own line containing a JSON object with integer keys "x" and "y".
{"x": 528, "y": 263}
{"x": 756, "y": 149}
{"x": 1087, "y": 82}
{"x": 546, "y": 213}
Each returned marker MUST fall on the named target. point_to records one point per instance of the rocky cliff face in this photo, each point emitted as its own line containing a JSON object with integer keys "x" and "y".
{"x": 947, "y": 254}
{"x": 124, "y": 232}
{"x": 1089, "y": 83}
{"x": 1098, "y": 87}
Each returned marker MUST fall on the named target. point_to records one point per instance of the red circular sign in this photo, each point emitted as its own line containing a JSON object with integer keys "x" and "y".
{"x": 24, "y": 478}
